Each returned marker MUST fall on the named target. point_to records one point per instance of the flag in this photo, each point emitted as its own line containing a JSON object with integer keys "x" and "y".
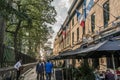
{"x": 78, "y": 15}
{"x": 87, "y": 5}
{"x": 82, "y": 21}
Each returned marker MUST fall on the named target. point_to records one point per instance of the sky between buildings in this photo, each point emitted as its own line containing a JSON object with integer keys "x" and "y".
{"x": 61, "y": 6}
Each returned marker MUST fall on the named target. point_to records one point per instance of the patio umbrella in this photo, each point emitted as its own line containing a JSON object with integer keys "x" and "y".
{"x": 101, "y": 48}
{"x": 72, "y": 54}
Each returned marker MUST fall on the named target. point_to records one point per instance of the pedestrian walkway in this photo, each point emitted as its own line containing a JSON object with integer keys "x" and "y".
{"x": 31, "y": 75}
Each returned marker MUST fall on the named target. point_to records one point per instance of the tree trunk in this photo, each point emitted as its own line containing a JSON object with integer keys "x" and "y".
{"x": 16, "y": 41}
{"x": 2, "y": 35}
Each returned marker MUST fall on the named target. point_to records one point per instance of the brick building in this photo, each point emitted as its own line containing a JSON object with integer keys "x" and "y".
{"x": 102, "y": 20}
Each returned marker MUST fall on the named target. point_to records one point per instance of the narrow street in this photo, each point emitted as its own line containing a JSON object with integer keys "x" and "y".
{"x": 31, "y": 75}
{"x": 72, "y": 39}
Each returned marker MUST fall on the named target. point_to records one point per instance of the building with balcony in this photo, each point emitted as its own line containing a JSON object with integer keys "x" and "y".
{"x": 102, "y": 23}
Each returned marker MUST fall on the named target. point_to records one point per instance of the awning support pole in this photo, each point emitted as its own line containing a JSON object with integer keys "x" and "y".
{"x": 113, "y": 62}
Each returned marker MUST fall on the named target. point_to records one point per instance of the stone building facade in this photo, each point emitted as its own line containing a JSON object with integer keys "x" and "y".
{"x": 103, "y": 19}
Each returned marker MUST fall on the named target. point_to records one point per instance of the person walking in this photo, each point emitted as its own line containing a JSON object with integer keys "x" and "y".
{"x": 40, "y": 70}
{"x": 18, "y": 68}
{"x": 48, "y": 69}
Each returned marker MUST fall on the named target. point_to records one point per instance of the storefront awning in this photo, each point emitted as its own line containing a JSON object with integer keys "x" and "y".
{"x": 55, "y": 57}
{"x": 108, "y": 45}
{"x": 102, "y": 48}
{"x": 92, "y": 50}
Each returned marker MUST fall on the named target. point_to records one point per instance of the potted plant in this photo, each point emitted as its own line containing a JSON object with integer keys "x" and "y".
{"x": 84, "y": 72}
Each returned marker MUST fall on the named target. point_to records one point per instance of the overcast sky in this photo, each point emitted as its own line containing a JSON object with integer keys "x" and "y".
{"x": 61, "y": 6}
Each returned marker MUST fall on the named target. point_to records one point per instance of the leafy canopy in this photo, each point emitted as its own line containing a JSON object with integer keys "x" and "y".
{"x": 29, "y": 19}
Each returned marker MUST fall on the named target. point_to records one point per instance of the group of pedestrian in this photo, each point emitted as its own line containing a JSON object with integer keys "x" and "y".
{"x": 108, "y": 75}
{"x": 43, "y": 68}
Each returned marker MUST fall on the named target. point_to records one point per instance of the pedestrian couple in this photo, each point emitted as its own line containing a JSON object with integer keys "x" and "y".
{"x": 44, "y": 67}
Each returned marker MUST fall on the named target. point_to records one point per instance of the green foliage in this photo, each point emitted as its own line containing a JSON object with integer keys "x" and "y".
{"x": 84, "y": 72}
{"x": 87, "y": 72}
{"x": 27, "y": 22}
{"x": 76, "y": 73}
{"x": 7, "y": 8}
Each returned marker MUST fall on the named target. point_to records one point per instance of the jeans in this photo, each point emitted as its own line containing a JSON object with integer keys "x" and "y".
{"x": 48, "y": 76}
{"x": 18, "y": 75}
{"x": 40, "y": 76}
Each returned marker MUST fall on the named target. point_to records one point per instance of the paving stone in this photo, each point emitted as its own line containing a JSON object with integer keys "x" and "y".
{"x": 31, "y": 75}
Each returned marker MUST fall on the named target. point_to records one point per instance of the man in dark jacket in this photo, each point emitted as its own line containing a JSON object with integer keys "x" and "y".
{"x": 40, "y": 70}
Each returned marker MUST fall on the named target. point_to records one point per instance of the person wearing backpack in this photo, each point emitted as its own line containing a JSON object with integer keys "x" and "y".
{"x": 40, "y": 70}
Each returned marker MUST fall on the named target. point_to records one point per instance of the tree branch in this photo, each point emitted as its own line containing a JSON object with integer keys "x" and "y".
{"x": 10, "y": 31}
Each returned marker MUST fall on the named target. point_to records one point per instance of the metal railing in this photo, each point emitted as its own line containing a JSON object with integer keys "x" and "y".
{"x": 10, "y": 73}
{"x": 8, "y": 57}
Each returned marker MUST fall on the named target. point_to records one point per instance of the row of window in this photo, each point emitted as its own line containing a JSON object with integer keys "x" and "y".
{"x": 65, "y": 41}
{"x": 77, "y": 36}
{"x": 105, "y": 17}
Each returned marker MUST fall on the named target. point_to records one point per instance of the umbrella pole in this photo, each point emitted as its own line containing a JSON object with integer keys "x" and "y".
{"x": 113, "y": 62}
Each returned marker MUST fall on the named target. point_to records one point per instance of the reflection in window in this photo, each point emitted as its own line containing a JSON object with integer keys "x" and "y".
{"x": 72, "y": 37}
{"x": 68, "y": 38}
{"x": 78, "y": 34}
{"x": 73, "y": 22}
{"x": 84, "y": 30}
{"x": 106, "y": 13}
{"x": 93, "y": 22}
